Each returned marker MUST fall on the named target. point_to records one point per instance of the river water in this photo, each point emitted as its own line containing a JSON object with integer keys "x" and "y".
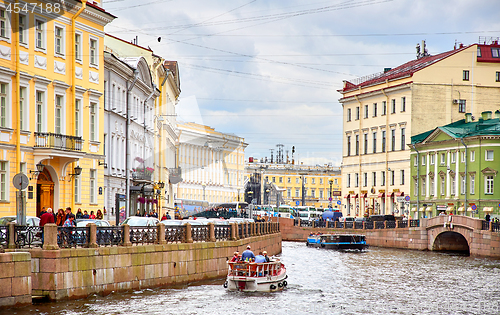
{"x": 377, "y": 281}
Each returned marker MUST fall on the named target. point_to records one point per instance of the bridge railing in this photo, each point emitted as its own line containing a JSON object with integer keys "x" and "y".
{"x": 366, "y": 225}
{"x": 485, "y": 225}
{"x": 495, "y": 227}
{"x": 52, "y": 237}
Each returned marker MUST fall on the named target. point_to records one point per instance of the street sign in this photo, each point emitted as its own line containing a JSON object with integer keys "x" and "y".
{"x": 338, "y": 202}
{"x": 407, "y": 198}
{"x": 330, "y": 199}
{"x": 400, "y": 199}
{"x": 20, "y": 181}
{"x": 297, "y": 203}
{"x": 474, "y": 207}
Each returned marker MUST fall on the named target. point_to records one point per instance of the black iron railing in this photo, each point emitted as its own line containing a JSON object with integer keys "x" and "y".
{"x": 414, "y": 223}
{"x": 109, "y": 235}
{"x": 495, "y": 227}
{"x": 175, "y": 234}
{"x": 73, "y": 236}
{"x": 143, "y": 234}
{"x": 485, "y": 225}
{"x": 390, "y": 224}
{"x": 222, "y": 232}
{"x": 349, "y": 224}
{"x": 340, "y": 225}
{"x": 403, "y": 224}
{"x": 369, "y": 225}
{"x": 200, "y": 233}
{"x": 379, "y": 225}
{"x": 358, "y": 225}
{"x": 28, "y": 236}
{"x": 4, "y": 236}
{"x": 58, "y": 141}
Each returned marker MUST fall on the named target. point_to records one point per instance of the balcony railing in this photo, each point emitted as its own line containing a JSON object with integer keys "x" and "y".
{"x": 141, "y": 175}
{"x": 58, "y": 141}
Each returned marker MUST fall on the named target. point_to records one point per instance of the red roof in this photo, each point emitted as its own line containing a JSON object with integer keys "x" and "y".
{"x": 404, "y": 70}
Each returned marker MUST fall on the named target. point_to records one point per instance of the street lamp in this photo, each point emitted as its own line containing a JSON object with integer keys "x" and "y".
{"x": 331, "y": 194}
{"x": 39, "y": 169}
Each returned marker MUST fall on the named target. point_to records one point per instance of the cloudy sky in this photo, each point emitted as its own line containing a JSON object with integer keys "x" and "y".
{"x": 269, "y": 71}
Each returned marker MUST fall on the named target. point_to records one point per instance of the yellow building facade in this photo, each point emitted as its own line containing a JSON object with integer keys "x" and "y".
{"x": 51, "y": 113}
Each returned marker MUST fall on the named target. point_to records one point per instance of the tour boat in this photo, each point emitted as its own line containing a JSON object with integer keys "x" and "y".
{"x": 256, "y": 277}
{"x": 337, "y": 241}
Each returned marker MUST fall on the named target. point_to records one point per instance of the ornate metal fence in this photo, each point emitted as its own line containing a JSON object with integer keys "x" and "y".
{"x": 109, "y": 235}
{"x": 222, "y": 232}
{"x": 369, "y": 225}
{"x": 390, "y": 224}
{"x": 28, "y": 236}
{"x": 379, "y": 224}
{"x": 414, "y": 223}
{"x": 340, "y": 225}
{"x": 485, "y": 225}
{"x": 495, "y": 226}
{"x": 143, "y": 234}
{"x": 73, "y": 236}
{"x": 175, "y": 234}
{"x": 403, "y": 224}
{"x": 358, "y": 225}
{"x": 200, "y": 233}
{"x": 349, "y": 224}
{"x": 4, "y": 236}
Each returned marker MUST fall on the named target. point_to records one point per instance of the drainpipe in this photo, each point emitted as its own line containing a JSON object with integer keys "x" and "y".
{"x": 127, "y": 149}
{"x": 418, "y": 177}
{"x": 73, "y": 84}
{"x": 465, "y": 204}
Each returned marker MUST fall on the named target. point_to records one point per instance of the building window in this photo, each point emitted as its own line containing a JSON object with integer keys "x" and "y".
{"x": 415, "y": 187}
{"x": 422, "y": 190}
{"x": 356, "y": 183}
{"x": 472, "y": 180}
{"x": 479, "y": 52}
{"x": 93, "y": 187}
{"x": 59, "y": 40}
{"x": 321, "y": 194}
{"x": 443, "y": 185}
{"x": 462, "y": 184}
{"x": 415, "y": 161}
{"x": 365, "y": 179}
{"x": 77, "y": 195}
{"x": 393, "y": 139}
{"x": 432, "y": 186}
{"x": 321, "y": 181}
{"x": 366, "y": 111}
{"x": 357, "y": 144}
{"x": 374, "y": 109}
{"x": 297, "y": 180}
{"x": 452, "y": 184}
{"x": 403, "y": 104}
{"x": 357, "y": 113}
{"x": 39, "y": 111}
{"x": 281, "y": 180}
{"x": 432, "y": 158}
{"x": 23, "y": 109}
{"x": 273, "y": 179}
{"x": 392, "y": 174}
{"x": 77, "y": 117}
{"x": 472, "y": 156}
{"x": 365, "y": 143}
{"x": 462, "y": 106}
{"x": 3, "y": 104}
{"x": 489, "y": 155}
{"x": 348, "y": 145}
{"x": 289, "y": 192}
{"x": 495, "y": 52}
{"x": 40, "y": 34}
{"x": 374, "y": 149}
{"x": 289, "y": 180}
{"x": 383, "y": 140}
{"x": 78, "y": 47}
{"x": 443, "y": 158}
{"x": 424, "y": 159}
{"x": 348, "y": 180}
{"x": 402, "y": 177}
{"x": 465, "y": 75}
{"x": 497, "y": 76}
{"x": 393, "y": 106}
{"x": 403, "y": 139}
{"x": 313, "y": 180}
{"x": 374, "y": 178}
{"x": 348, "y": 114}
{"x": 93, "y": 52}
{"x": 3, "y": 180}
{"x": 58, "y": 112}
{"x": 384, "y": 108}
{"x": 453, "y": 157}
{"x": 488, "y": 185}
{"x": 313, "y": 193}
{"x": 23, "y": 29}
{"x": 297, "y": 192}
{"x": 4, "y": 24}
{"x": 93, "y": 122}
{"x": 462, "y": 154}
{"x": 382, "y": 178}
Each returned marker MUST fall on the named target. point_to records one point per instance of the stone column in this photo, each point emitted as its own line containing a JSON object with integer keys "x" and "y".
{"x": 93, "y": 235}
{"x": 211, "y": 232}
{"x": 254, "y": 232}
{"x": 12, "y": 235}
{"x": 189, "y": 238}
{"x": 50, "y": 237}
{"x": 160, "y": 237}
{"x": 364, "y": 227}
{"x": 313, "y": 224}
{"x": 385, "y": 224}
{"x": 233, "y": 232}
{"x": 126, "y": 235}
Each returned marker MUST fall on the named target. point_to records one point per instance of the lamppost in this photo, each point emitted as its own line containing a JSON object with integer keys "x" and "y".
{"x": 331, "y": 194}
{"x": 250, "y": 195}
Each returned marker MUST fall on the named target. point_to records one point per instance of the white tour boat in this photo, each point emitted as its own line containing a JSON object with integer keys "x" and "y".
{"x": 256, "y": 277}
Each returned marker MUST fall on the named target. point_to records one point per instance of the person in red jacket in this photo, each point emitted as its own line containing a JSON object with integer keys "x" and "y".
{"x": 47, "y": 217}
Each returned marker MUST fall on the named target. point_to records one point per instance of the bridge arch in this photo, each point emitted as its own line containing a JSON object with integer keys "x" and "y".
{"x": 451, "y": 241}
{"x": 450, "y": 234}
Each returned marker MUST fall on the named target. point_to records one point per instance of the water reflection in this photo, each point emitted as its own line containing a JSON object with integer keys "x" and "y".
{"x": 378, "y": 281}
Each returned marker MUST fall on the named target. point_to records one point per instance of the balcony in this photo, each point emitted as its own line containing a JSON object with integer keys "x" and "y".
{"x": 175, "y": 175}
{"x": 142, "y": 174}
{"x": 58, "y": 141}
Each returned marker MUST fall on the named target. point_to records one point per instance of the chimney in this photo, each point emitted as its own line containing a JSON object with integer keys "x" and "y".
{"x": 468, "y": 118}
{"x": 497, "y": 114}
{"x": 486, "y": 115}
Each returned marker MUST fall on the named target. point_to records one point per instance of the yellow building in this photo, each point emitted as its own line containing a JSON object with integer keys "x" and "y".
{"x": 382, "y": 111}
{"x": 319, "y": 184}
{"x": 212, "y": 164}
{"x": 51, "y": 111}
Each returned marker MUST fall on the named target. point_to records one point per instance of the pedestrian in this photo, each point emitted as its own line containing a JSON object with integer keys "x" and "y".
{"x": 42, "y": 212}
{"x": 92, "y": 215}
{"x": 61, "y": 217}
{"x": 47, "y": 217}
{"x": 79, "y": 213}
{"x": 85, "y": 215}
{"x": 164, "y": 217}
{"x": 487, "y": 217}
{"x": 99, "y": 215}
{"x": 70, "y": 221}
{"x": 68, "y": 212}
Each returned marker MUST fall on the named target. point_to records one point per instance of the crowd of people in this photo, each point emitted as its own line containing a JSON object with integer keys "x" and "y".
{"x": 249, "y": 256}
{"x": 66, "y": 217}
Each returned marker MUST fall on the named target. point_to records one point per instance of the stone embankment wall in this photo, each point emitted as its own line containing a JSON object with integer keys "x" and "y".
{"x": 72, "y": 273}
{"x": 430, "y": 235}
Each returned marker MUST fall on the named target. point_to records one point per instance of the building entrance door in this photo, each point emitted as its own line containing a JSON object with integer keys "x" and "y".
{"x": 44, "y": 192}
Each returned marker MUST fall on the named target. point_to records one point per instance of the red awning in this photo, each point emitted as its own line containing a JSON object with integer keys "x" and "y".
{"x": 391, "y": 195}
{"x": 355, "y": 196}
{"x": 400, "y": 194}
{"x": 347, "y": 196}
{"x": 381, "y": 195}
{"x": 362, "y": 196}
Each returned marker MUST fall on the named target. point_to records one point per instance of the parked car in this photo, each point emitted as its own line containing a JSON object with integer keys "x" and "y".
{"x": 30, "y": 221}
{"x": 382, "y": 217}
{"x": 362, "y": 219}
{"x": 141, "y": 221}
{"x": 345, "y": 219}
{"x": 84, "y": 222}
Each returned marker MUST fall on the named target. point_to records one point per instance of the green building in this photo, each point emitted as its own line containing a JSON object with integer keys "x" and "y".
{"x": 454, "y": 168}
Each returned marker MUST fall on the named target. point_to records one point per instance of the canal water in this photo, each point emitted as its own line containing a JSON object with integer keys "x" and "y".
{"x": 377, "y": 281}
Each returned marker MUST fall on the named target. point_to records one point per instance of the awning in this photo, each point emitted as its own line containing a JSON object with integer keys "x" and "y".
{"x": 428, "y": 209}
{"x": 362, "y": 196}
{"x": 400, "y": 194}
{"x": 355, "y": 196}
{"x": 381, "y": 195}
{"x": 469, "y": 209}
{"x": 391, "y": 195}
{"x": 460, "y": 209}
{"x": 450, "y": 208}
{"x": 347, "y": 196}
{"x": 421, "y": 209}
{"x": 414, "y": 209}
{"x": 487, "y": 209}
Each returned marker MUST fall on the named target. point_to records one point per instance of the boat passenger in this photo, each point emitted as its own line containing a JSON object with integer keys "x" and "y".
{"x": 248, "y": 255}
{"x": 267, "y": 257}
{"x": 260, "y": 258}
{"x": 236, "y": 257}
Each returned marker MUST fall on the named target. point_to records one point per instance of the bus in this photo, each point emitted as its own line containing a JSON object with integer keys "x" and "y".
{"x": 308, "y": 213}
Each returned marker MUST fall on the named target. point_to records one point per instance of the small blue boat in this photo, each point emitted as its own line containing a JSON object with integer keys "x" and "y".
{"x": 337, "y": 241}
